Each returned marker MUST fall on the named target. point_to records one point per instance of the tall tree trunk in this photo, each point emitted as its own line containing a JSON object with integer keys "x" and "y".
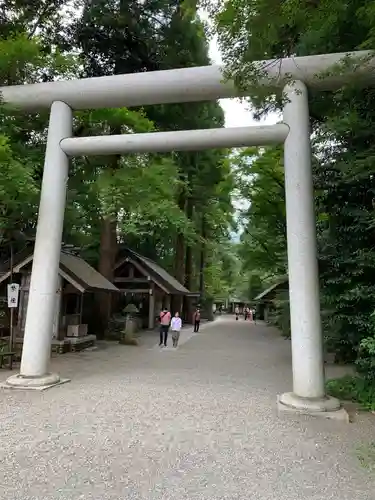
{"x": 107, "y": 258}
{"x": 202, "y": 259}
{"x": 107, "y": 253}
{"x": 206, "y": 304}
{"x": 179, "y": 261}
{"x": 188, "y": 265}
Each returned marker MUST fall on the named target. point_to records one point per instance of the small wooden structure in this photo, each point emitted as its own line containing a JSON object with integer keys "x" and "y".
{"x": 146, "y": 284}
{"x": 237, "y": 302}
{"x": 264, "y": 301}
{"x": 76, "y": 278}
{"x": 221, "y": 303}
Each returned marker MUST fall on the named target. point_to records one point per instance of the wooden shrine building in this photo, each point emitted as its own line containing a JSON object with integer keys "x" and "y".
{"x": 74, "y": 298}
{"x": 146, "y": 284}
{"x": 265, "y": 300}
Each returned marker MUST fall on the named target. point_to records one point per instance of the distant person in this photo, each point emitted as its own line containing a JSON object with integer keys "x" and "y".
{"x": 246, "y": 312}
{"x": 254, "y": 314}
{"x": 196, "y": 320}
{"x": 237, "y": 312}
{"x": 165, "y": 319}
{"x": 176, "y": 325}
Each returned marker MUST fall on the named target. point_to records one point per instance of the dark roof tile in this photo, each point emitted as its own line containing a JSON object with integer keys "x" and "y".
{"x": 156, "y": 271}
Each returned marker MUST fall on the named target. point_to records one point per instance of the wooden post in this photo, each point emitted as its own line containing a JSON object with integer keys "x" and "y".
{"x": 80, "y": 308}
{"x": 151, "y": 307}
{"x": 57, "y": 311}
{"x": 167, "y": 301}
{"x": 11, "y": 332}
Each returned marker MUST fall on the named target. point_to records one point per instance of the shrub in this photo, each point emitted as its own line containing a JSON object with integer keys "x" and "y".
{"x": 365, "y": 363}
{"x": 280, "y": 313}
{"x": 353, "y": 388}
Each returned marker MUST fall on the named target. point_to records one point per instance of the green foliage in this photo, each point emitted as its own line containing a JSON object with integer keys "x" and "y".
{"x": 154, "y": 199}
{"x": 221, "y": 270}
{"x": 345, "y": 189}
{"x": 23, "y": 59}
{"x": 366, "y": 359}
{"x": 254, "y": 284}
{"x": 262, "y": 250}
{"x": 344, "y": 159}
{"x": 18, "y": 189}
{"x": 260, "y": 179}
{"x": 353, "y": 388}
{"x": 280, "y": 313}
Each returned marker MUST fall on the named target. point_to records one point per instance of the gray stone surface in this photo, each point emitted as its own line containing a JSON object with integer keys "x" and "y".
{"x": 340, "y": 413}
{"x": 197, "y": 423}
{"x": 47, "y": 381}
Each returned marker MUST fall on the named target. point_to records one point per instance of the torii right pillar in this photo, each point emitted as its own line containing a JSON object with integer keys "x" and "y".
{"x": 308, "y": 396}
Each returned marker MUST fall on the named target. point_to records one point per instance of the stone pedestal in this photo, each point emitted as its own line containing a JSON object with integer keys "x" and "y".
{"x": 77, "y": 344}
{"x": 326, "y": 407}
{"x": 131, "y": 325}
{"x": 33, "y": 383}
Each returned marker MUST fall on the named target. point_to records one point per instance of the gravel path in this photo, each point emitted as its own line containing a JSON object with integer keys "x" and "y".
{"x": 195, "y": 423}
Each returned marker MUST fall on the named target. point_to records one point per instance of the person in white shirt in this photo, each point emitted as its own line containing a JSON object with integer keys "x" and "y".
{"x": 237, "y": 312}
{"x": 176, "y": 325}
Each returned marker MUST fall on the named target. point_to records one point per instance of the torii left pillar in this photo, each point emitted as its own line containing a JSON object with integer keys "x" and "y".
{"x": 36, "y": 353}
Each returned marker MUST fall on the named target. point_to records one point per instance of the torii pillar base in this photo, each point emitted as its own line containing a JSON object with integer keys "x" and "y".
{"x": 34, "y": 383}
{"x": 326, "y": 407}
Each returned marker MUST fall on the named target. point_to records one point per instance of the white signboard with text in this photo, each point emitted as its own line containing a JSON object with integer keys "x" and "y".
{"x": 13, "y": 294}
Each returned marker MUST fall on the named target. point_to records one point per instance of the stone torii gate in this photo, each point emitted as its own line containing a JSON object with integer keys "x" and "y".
{"x": 295, "y": 75}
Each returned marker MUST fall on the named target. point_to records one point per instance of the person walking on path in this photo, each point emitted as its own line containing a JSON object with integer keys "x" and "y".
{"x": 196, "y": 320}
{"x": 254, "y": 314}
{"x": 176, "y": 325}
{"x": 165, "y": 319}
{"x": 246, "y": 312}
{"x": 237, "y": 312}
{"x": 250, "y": 314}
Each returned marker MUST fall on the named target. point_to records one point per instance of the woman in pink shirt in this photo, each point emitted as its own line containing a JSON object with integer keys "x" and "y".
{"x": 165, "y": 319}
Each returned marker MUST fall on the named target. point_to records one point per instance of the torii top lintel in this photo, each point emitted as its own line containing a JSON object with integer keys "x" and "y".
{"x": 186, "y": 85}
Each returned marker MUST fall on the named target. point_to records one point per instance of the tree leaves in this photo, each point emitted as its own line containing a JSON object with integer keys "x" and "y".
{"x": 260, "y": 180}
{"x": 44, "y": 41}
{"x": 344, "y": 159}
